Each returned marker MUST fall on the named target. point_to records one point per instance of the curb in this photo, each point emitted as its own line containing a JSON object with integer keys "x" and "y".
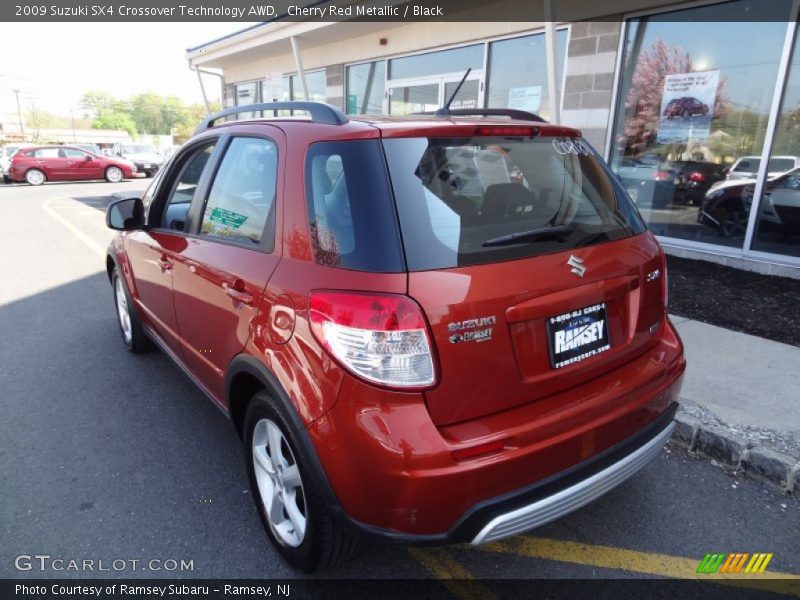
{"x": 724, "y": 446}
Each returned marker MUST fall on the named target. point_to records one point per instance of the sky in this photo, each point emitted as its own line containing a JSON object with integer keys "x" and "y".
{"x": 55, "y": 63}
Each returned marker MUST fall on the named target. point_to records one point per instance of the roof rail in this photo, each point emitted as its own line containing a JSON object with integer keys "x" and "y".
{"x": 512, "y": 113}
{"x": 319, "y": 111}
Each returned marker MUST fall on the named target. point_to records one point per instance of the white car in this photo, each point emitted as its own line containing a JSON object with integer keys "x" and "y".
{"x": 746, "y": 167}
{"x": 6, "y": 152}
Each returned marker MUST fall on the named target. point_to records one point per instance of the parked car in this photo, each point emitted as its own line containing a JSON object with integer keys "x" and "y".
{"x": 39, "y": 164}
{"x": 685, "y": 107}
{"x": 144, "y": 156}
{"x": 412, "y": 345}
{"x": 6, "y": 152}
{"x": 648, "y": 185}
{"x": 695, "y": 178}
{"x": 746, "y": 167}
{"x": 726, "y": 207}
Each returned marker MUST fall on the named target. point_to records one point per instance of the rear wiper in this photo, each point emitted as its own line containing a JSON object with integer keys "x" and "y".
{"x": 530, "y": 235}
{"x": 591, "y": 239}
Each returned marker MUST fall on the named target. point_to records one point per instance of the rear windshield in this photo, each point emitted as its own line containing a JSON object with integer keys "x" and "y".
{"x": 464, "y": 201}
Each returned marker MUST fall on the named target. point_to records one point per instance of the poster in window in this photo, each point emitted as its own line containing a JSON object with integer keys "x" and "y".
{"x": 687, "y": 106}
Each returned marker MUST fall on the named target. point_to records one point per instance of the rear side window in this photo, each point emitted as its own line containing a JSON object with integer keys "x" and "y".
{"x": 465, "y": 201}
{"x": 352, "y": 222}
{"x": 242, "y": 197}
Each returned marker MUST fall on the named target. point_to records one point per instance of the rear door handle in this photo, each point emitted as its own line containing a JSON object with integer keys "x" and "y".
{"x": 238, "y": 293}
{"x": 165, "y": 263}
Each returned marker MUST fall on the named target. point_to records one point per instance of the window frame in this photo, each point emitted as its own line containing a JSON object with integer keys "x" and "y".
{"x": 169, "y": 181}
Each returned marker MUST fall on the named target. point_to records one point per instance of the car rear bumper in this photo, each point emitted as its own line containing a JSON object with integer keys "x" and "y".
{"x": 542, "y": 510}
{"x": 393, "y": 474}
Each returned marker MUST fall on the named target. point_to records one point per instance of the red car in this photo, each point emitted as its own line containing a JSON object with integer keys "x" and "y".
{"x": 66, "y": 163}
{"x": 685, "y": 107}
{"x": 417, "y": 338}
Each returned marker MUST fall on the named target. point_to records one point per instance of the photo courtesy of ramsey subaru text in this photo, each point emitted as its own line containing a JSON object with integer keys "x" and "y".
{"x": 426, "y": 329}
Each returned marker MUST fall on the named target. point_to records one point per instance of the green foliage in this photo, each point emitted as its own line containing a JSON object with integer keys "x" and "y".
{"x": 144, "y": 113}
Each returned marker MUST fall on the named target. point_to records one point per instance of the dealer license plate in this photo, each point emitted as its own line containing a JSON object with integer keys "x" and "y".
{"x": 577, "y": 335}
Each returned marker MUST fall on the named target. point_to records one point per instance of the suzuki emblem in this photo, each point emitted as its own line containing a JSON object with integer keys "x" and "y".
{"x": 577, "y": 265}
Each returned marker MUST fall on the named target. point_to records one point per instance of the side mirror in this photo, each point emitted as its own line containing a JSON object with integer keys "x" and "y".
{"x": 125, "y": 215}
{"x": 88, "y": 157}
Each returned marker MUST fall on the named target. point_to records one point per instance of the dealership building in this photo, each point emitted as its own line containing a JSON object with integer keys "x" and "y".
{"x": 682, "y": 99}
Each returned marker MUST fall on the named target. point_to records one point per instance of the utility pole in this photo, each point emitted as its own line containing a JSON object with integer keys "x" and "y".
{"x": 72, "y": 114}
{"x": 19, "y": 114}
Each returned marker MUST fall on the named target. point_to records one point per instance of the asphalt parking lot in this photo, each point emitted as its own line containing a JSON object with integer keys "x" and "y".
{"x": 105, "y": 455}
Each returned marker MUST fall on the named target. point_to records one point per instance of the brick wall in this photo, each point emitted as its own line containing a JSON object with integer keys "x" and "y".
{"x": 591, "y": 60}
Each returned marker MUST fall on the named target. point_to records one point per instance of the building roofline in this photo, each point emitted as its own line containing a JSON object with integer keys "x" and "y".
{"x": 227, "y": 37}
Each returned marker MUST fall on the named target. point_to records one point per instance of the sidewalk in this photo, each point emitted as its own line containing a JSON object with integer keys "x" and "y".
{"x": 741, "y": 402}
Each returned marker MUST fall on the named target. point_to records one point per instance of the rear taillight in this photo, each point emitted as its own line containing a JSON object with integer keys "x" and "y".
{"x": 663, "y": 176}
{"x": 697, "y": 177}
{"x": 382, "y": 338}
{"x": 504, "y": 130}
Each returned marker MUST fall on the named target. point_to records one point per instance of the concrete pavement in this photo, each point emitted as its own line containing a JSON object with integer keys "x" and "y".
{"x": 740, "y": 402}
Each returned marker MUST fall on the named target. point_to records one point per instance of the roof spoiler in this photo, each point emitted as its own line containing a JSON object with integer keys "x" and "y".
{"x": 319, "y": 111}
{"x": 512, "y": 113}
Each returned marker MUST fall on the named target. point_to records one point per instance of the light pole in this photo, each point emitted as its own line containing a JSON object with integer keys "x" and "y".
{"x": 72, "y": 114}
{"x": 19, "y": 114}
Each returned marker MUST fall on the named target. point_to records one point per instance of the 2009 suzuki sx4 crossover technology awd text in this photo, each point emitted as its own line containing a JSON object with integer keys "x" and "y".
{"x": 427, "y": 329}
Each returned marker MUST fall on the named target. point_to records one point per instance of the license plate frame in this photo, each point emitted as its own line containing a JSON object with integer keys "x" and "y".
{"x": 577, "y": 335}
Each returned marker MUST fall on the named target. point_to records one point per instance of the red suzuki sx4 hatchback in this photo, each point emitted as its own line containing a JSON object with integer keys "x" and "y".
{"x": 425, "y": 329}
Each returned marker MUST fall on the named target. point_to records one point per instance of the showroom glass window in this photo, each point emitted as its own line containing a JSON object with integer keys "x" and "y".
{"x": 246, "y": 94}
{"x": 694, "y": 98}
{"x": 778, "y": 220}
{"x": 315, "y": 80}
{"x": 518, "y": 72}
{"x": 365, "y": 86}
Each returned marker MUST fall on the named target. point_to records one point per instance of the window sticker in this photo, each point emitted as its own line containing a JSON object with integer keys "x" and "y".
{"x": 228, "y": 218}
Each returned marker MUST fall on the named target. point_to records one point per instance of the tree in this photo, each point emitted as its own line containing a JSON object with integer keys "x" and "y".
{"x": 111, "y": 119}
{"x": 37, "y": 119}
{"x": 643, "y": 102}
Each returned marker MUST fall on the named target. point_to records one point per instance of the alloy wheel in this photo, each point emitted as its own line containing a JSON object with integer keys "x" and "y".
{"x": 123, "y": 312}
{"x": 279, "y": 483}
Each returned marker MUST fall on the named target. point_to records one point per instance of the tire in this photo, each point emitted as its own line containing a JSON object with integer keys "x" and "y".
{"x": 133, "y": 335}
{"x": 114, "y": 175}
{"x": 686, "y": 114}
{"x": 35, "y": 177}
{"x": 6, "y": 179}
{"x": 733, "y": 224}
{"x": 310, "y": 539}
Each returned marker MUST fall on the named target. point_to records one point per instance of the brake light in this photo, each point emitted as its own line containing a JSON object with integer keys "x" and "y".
{"x": 697, "y": 177}
{"x": 382, "y": 338}
{"x": 504, "y": 130}
{"x": 663, "y": 175}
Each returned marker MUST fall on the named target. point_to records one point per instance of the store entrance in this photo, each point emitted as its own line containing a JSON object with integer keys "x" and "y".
{"x": 429, "y": 93}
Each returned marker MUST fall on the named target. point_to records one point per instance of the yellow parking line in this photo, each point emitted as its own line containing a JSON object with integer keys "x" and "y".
{"x": 97, "y": 248}
{"x": 461, "y": 583}
{"x": 649, "y": 563}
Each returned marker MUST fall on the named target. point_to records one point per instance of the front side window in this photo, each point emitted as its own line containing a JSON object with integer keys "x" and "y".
{"x": 73, "y": 153}
{"x": 465, "y": 201}
{"x": 176, "y": 213}
{"x": 242, "y": 197}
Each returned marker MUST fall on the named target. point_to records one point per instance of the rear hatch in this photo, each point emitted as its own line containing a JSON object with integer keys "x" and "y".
{"x": 529, "y": 261}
